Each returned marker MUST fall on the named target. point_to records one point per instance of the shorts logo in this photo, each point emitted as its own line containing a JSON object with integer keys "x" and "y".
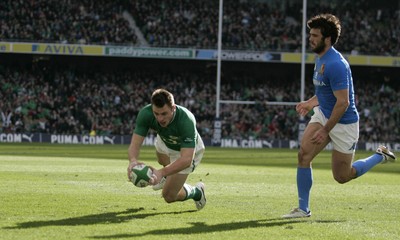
{"x": 353, "y": 147}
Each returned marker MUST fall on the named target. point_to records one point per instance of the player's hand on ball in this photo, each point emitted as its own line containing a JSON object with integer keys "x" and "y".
{"x": 131, "y": 165}
{"x": 156, "y": 176}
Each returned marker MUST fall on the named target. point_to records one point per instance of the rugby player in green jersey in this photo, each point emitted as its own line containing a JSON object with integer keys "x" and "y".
{"x": 179, "y": 148}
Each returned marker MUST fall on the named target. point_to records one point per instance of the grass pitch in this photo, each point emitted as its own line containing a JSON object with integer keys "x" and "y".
{"x": 82, "y": 192}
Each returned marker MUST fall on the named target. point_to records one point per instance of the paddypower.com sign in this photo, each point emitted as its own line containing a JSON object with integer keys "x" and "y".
{"x": 149, "y": 52}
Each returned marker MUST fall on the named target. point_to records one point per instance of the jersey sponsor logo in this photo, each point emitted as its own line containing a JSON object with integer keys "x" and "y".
{"x": 170, "y": 139}
{"x": 318, "y": 83}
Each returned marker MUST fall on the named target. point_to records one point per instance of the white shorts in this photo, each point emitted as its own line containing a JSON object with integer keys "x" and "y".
{"x": 344, "y": 136}
{"x": 174, "y": 155}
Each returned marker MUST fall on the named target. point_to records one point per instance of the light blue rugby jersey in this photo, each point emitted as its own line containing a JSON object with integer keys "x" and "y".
{"x": 332, "y": 72}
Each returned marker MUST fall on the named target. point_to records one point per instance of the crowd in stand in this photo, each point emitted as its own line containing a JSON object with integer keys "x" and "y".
{"x": 65, "y": 21}
{"x": 368, "y": 27}
{"x": 62, "y": 100}
{"x": 66, "y": 100}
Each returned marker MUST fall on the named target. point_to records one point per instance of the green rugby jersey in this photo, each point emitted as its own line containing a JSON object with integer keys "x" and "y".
{"x": 180, "y": 133}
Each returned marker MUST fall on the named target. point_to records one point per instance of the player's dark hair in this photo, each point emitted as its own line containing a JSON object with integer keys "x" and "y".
{"x": 328, "y": 24}
{"x": 160, "y": 97}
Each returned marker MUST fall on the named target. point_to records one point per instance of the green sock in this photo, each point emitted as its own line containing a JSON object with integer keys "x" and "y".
{"x": 192, "y": 192}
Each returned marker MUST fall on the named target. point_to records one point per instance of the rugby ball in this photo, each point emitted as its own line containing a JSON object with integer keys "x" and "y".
{"x": 141, "y": 175}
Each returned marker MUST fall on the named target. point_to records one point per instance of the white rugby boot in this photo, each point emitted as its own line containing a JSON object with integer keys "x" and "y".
{"x": 202, "y": 202}
{"x": 297, "y": 213}
{"x": 388, "y": 156}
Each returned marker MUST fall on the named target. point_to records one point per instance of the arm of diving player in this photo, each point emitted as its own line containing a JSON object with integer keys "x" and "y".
{"x": 133, "y": 152}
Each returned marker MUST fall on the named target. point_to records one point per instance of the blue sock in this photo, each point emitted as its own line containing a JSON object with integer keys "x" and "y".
{"x": 304, "y": 183}
{"x": 364, "y": 165}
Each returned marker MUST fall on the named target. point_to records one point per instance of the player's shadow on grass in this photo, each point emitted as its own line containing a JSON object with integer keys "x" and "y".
{"x": 102, "y": 218}
{"x": 201, "y": 228}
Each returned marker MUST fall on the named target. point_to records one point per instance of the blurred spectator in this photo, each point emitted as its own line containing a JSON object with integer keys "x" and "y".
{"x": 6, "y": 121}
{"x": 64, "y": 100}
{"x": 104, "y": 103}
{"x": 370, "y": 27}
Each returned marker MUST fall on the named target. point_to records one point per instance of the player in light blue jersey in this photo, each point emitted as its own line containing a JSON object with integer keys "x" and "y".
{"x": 179, "y": 148}
{"x": 335, "y": 119}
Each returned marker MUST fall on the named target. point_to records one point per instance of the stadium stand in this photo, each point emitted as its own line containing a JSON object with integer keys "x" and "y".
{"x": 53, "y": 98}
{"x": 72, "y": 22}
{"x": 252, "y": 25}
{"x": 68, "y": 100}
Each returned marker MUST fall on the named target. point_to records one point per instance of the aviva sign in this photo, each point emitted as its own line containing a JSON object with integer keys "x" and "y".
{"x": 58, "y": 49}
